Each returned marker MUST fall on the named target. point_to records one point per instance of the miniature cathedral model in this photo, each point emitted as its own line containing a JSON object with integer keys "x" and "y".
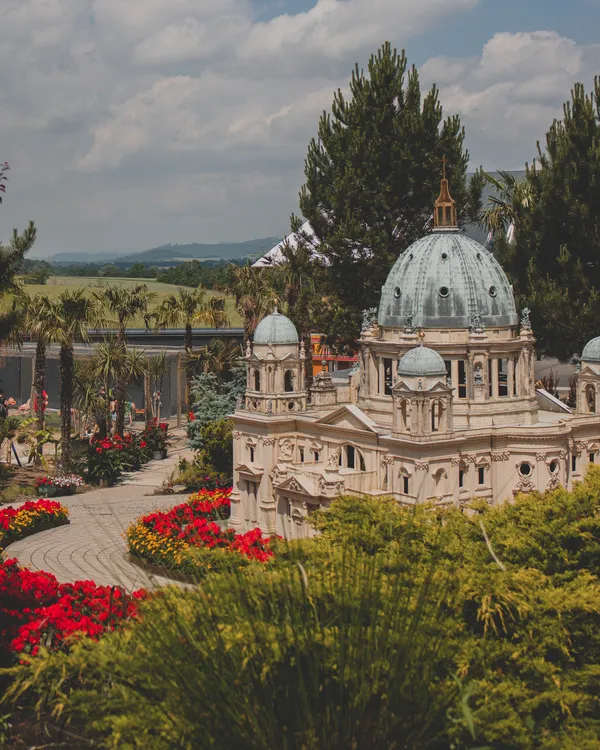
{"x": 441, "y": 408}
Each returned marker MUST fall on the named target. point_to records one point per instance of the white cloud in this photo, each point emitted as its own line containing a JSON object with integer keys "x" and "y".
{"x": 509, "y": 95}
{"x": 135, "y": 123}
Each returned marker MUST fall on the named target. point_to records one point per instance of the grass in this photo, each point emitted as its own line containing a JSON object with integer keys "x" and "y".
{"x": 58, "y": 284}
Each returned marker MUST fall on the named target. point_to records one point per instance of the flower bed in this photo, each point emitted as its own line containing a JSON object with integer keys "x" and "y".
{"x": 34, "y": 515}
{"x": 108, "y": 457}
{"x": 57, "y": 486}
{"x": 187, "y": 538}
{"x": 35, "y": 610}
{"x": 155, "y": 436}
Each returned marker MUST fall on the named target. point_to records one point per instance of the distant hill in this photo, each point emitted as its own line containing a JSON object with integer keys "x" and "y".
{"x": 82, "y": 257}
{"x": 196, "y": 250}
{"x": 171, "y": 254}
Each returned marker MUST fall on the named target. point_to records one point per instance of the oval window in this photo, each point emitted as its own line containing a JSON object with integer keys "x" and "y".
{"x": 478, "y": 256}
{"x": 553, "y": 466}
{"x": 525, "y": 470}
{"x": 397, "y": 292}
{"x": 291, "y": 406}
{"x": 411, "y": 256}
{"x": 444, "y": 256}
{"x": 444, "y": 291}
{"x": 493, "y": 291}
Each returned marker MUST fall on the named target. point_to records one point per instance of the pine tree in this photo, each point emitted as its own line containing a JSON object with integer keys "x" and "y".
{"x": 555, "y": 262}
{"x": 11, "y": 258}
{"x": 372, "y": 175}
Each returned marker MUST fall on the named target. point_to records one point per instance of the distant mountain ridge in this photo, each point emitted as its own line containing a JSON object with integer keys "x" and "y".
{"x": 169, "y": 253}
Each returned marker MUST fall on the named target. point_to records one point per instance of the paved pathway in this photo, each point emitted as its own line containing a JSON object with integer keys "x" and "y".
{"x": 93, "y": 546}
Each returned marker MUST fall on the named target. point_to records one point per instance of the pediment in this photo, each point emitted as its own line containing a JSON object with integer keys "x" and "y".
{"x": 402, "y": 387}
{"x": 349, "y": 417}
{"x": 590, "y": 371}
{"x": 250, "y": 470}
{"x": 299, "y": 485}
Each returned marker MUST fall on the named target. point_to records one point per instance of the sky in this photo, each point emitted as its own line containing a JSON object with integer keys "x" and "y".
{"x": 133, "y": 123}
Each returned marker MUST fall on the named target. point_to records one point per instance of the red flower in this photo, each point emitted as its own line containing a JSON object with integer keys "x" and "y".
{"x": 143, "y": 444}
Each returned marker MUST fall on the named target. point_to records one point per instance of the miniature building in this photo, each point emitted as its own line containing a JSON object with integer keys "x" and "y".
{"x": 441, "y": 407}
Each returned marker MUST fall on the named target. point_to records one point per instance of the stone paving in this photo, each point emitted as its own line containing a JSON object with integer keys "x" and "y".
{"x": 93, "y": 545}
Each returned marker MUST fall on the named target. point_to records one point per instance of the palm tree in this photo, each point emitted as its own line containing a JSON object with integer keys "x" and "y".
{"x": 219, "y": 356}
{"x": 124, "y": 305}
{"x": 72, "y": 313}
{"x": 512, "y": 197}
{"x": 39, "y": 321}
{"x": 254, "y": 294}
{"x": 186, "y": 307}
{"x": 157, "y": 368}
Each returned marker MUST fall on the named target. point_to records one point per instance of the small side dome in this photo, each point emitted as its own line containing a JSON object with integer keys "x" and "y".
{"x": 421, "y": 362}
{"x": 591, "y": 351}
{"x": 276, "y": 329}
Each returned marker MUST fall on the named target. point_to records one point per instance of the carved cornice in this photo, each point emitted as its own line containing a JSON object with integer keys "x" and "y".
{"x": 563, "y": 454}
{"x": 236, "y": 434}
{"x": 455, "y": 461}
{"x": 469, "y": 458}
{"x": 540, "y": 456}
{"x": 269, "y": 441}
{"x": 500, "y": 456}
{"x": 421, "y": 466}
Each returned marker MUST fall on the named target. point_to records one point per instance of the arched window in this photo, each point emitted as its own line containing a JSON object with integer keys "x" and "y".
{"x": 405, "y": 477}
{"x": 405, "y": 414}
{"x": 288, "y": 381}
{"x": 351, "y": 458}
{"x": 257, "y": 380}
{"x": 436, "y": 416}
{"x": 590, "y": 396}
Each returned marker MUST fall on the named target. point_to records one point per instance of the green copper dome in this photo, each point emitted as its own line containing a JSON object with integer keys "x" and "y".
{"x": 276, "y": 329}
{"x": 591, "y": 351}
{"x": 421, "y": 362}
{"x": 445, "y": 280}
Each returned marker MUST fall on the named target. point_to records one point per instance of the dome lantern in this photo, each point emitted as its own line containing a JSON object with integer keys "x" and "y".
{"x": 444, "y": 210}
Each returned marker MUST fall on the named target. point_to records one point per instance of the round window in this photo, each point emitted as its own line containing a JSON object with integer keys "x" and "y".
{"x": 291, "y": 406}
{"x": 478, "y": 256}
{"x": 525, "y": 470}
{"x": 493, "y": 291}
{"x": 397, "y": 292}
{"x": 553, "y": 466}
{"x": 444, "y": 291}
{"x": 444, "y": 256}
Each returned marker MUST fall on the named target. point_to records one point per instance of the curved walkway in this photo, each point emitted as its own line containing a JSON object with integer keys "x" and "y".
{"x": 93, "y": 545}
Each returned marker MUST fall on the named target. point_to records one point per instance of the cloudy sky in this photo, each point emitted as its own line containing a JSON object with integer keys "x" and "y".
{"x": 131, "y": 123}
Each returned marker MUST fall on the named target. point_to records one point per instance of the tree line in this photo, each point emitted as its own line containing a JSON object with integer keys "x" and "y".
{"x": 371, "y": 177}
{"x": 210, "y": 274}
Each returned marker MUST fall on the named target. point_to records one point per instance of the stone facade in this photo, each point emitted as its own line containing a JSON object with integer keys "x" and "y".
{"x": 474, "y": 430}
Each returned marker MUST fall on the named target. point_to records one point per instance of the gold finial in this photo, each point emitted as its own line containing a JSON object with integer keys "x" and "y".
{"x": 444, "y": 211}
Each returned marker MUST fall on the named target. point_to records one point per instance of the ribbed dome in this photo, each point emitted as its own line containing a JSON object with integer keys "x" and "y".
{"x": 421, "y": 362}
{"x": 591, "y": 351}
{"x": 442, "y": 281}
{"x": 276, "y": 329}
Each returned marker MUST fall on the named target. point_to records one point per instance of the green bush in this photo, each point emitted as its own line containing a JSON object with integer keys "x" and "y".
{"x": 324, "y": 656}
{"x": 394, "y": 628}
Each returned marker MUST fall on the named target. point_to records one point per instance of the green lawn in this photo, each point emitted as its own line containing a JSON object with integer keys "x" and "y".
{"x": 58, "y": 284}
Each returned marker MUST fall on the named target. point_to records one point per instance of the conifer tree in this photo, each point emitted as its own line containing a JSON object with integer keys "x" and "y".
{"x": 372, "y": 175}
{"x": 555, "y": 262}
{"x": 11, "y": 258}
